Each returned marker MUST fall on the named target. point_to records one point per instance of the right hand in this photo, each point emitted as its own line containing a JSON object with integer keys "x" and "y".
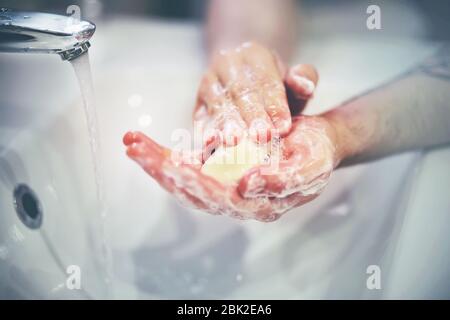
{"x": 249, "y": 89}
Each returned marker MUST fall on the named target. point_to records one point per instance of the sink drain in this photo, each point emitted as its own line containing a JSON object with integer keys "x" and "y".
{"x": 27, "y": 206}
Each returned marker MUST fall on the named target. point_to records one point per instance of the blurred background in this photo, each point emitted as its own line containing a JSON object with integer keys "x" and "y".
{"x": 434, "y": 13}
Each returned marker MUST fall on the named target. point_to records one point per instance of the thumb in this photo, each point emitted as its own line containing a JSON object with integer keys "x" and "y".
{"x": 300, "y": 81}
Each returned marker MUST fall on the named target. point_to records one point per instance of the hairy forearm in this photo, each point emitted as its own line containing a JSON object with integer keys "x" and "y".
{"x": 410, "y": 113}
{"x": 269, "y": 22}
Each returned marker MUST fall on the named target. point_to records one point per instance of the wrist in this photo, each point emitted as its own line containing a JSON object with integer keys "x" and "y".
{"x": 349, "y": 139}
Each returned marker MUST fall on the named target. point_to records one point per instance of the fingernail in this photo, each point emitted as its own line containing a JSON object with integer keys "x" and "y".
{"x": 210, "y": 137}
{"x": 259, "y": 130}
{"x": 127, "y": 138}
{"x": 307, "y": 85}
{"x": 232, "y": 132}
{"x": 282, "y": 125}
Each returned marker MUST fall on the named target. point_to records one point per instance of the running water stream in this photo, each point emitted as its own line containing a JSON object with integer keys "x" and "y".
{"x": 82, "y": 68}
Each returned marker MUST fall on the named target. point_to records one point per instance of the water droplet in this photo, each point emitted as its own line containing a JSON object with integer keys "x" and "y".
{"x": 239, "y": 277}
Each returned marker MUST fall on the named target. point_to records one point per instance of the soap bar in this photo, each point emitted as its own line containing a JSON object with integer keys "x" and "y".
{"x": 228, "y": 164}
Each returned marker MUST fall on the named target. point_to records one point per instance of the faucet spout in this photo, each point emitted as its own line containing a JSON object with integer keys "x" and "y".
{"x": 22, "y": 31}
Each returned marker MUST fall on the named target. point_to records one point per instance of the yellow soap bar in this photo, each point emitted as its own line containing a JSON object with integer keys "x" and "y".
{"x": 228, "y": 164}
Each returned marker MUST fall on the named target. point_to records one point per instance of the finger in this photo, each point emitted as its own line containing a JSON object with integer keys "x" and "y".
{"x": 203, "y": 191}
{"x": 223, "y": 116}
{"x": 183, "y": 180}
{"x": 137, "y": 142}
{"x": 270, "y": 84}
{"x": 202, "y": 118}
{"x": 210, "y": 135}
{"x": 238, "y": 79}
{"x": 301, "y": 81}
{"x": 271, "y": 87}
{"x": 308, "y": 165}
{"x": 149, "y": 155}
{"x": 208, "y": 96}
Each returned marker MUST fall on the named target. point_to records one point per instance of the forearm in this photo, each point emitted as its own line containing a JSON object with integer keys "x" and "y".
{"x": 269, "y": 22}
{"x": 411, "y": 113}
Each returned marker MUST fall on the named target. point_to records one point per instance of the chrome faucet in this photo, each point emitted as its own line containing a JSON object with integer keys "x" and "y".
{"x": 22, "y": 31}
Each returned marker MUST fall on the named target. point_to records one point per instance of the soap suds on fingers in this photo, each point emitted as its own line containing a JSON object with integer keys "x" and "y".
{"x": 239, "y": 187}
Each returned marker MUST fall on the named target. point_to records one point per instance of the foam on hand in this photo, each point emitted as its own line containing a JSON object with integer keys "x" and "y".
{"x": 229, "y": 164}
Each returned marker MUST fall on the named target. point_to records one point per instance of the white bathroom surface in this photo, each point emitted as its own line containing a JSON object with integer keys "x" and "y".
{"x": 392, "y": 213}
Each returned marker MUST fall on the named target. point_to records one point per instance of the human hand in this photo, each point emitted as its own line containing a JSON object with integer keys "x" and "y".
{"x": 309, "y": 155}
{"x": 307, "y": 158}
{"x": 249, "y": 89}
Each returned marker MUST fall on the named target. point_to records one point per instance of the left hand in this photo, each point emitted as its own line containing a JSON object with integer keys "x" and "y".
{"x": 309, "y": 156}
